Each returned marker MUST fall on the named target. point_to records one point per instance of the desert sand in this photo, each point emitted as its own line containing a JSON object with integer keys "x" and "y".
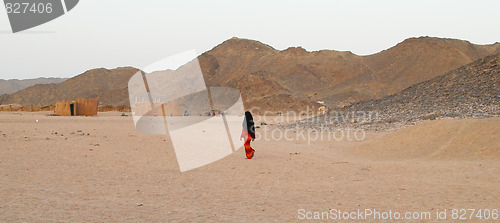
{"x": 100, "y": 169}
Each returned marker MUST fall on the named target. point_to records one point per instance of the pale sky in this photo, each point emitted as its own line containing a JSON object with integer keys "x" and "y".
{"x": 109, "y": 34}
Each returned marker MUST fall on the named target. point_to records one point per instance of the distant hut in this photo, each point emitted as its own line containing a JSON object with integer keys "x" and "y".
{"x": 87, "y": 107}
{"x": 79, "y": 107}
{"x": 65, "y": 108}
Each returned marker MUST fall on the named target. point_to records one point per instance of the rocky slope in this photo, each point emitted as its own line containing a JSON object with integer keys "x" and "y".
{"x": 13, "y": 85}
{"x": 109, "y": 85}
{"x": 471, "y": 91}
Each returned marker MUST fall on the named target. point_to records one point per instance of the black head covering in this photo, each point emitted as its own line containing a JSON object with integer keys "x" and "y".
{"x": 248, "y": 124}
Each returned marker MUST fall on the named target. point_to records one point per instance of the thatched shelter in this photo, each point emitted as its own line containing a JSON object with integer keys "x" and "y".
{"x": 79, "y": 107}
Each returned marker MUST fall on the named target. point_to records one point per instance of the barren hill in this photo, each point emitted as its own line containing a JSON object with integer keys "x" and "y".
{"x": 13, "y": 85}
{"x": 338, "y": 78}
{"x": 109, "y": 85}
{"x": 472, "y": 90}
{"x": 289, "y": 79}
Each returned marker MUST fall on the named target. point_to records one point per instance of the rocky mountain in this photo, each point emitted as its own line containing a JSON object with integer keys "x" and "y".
{"x": 337, "y": 78}
{"x": 290, "y": 79}
{"x": 471, "y": 91}
{"x": 13, "y": 85}
{"x": 109, "y": 85}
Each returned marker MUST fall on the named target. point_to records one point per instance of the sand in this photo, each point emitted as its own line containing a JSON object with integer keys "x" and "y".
{"x": 100, "y": 169}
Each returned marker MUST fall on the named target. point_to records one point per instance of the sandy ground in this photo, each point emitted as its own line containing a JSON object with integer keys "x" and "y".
{"x": 100, "y": 169}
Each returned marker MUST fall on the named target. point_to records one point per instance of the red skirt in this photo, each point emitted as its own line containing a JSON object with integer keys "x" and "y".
{"x": 248, "y": 149}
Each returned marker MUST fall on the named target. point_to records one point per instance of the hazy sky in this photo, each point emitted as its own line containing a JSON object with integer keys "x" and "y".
{"x": 104, "y": 33}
